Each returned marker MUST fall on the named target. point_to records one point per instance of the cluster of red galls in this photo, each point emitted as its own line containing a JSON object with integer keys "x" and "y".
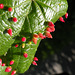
{"x": 9, "y": 68}
{"x": 47, "y": 34}
{"x": 2, "y": 6}
{"x": 49, "y": 29}
{"x": 14, "y": 19}
{"x": 61, "y": 18}
{"x": 34, "y": 60}
{"x": 25, "y": 54}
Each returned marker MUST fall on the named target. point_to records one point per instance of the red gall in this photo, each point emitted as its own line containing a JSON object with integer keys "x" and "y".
{"x": 16, "y": 45}
{"x": 34, "y": 63}
{"x": 40, "y": 35}
{"x": 9, "y": 32}
{"x": 66, "y": 15}
{"x": 14, "y": 19}
{"x": 9, "y": 9}
{"x": 52, "y": 29}
{"x": 48, "y": 29}
{"x": 3, "y": 64}
{"x": 23, "y": 39}
{"x": 35, "y": 59}
{"x": 50, "y": 24}
{"x": 11, "y": 62}
{"x": 61, "y": 19}
{"x": 25, "y": 55}
{"x": 44, "y": 37}
{"x": 34, "y": 40}
{"x": 0, "y": 61}
{"x": 13, "y": 72}
{"x": 48, "y": 35}
{"x": 8, "y": 69}
{"x": 36, "y": 35}
{"x": 1, "y": 6}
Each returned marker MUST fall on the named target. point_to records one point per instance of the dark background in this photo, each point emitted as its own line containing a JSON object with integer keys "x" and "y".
{"x": 57, "y": 56}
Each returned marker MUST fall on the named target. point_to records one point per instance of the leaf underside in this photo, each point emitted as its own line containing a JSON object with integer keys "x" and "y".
{"x": 39, "y": 12}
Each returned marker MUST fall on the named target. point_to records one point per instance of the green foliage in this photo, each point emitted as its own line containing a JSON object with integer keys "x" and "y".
{"x": 32, "y": 15}
{"x": 2, "y": 70}
{"x": 20, "y": 10}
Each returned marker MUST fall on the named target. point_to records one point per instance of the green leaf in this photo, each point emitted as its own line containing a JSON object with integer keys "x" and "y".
{"x": 20, "y": 10}
{"x": 2, "y": 70}
{"x": 44, "y": 11}
{"x": 21, "y": 63}
{"x": 52, "y": 9}
{"x": 41, "y": 11}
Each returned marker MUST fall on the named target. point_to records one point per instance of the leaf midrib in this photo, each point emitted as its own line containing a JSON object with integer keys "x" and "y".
{"x": 44, "y": 4}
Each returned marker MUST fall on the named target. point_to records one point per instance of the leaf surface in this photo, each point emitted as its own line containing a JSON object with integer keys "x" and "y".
{"x": 2, "y": 70}
{"x": 20, "y": 10}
